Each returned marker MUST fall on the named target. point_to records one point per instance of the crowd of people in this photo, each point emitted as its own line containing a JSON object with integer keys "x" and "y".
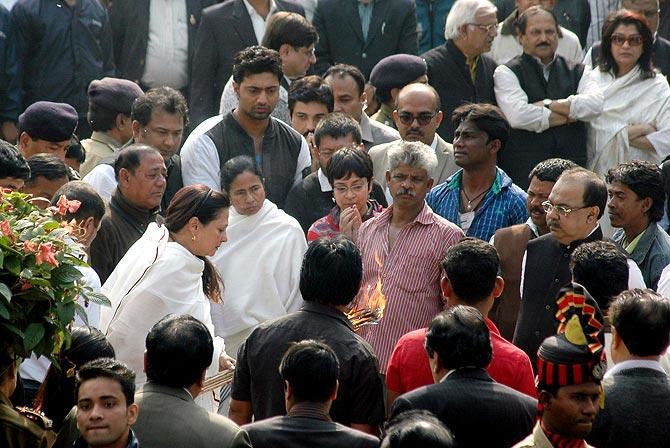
{"x": 365, "y": 223}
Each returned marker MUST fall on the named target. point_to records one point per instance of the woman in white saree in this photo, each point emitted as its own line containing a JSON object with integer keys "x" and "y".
{"x": 260, "y": 265}
{"x": 635, "y": 122}
{"x": 166, "y": 272}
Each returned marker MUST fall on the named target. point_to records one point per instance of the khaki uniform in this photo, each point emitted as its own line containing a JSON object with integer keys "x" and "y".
{"x": 27, "y": 429}
{"x": 98, "y": 147}
{"x": 385, "y": 116}
{"x": 537, "y": 440}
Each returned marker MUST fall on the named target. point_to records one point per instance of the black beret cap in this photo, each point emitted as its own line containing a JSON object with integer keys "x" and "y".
{"x": 397, "y": 70}
{"x": 53, "y": 122}
{"x": 114, "y": 94}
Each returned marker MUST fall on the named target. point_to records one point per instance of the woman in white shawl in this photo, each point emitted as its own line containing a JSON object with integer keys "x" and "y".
{"x": 260, "y": 265}
{"x": 635, "y": 122}
{"x": 166, "y": 272}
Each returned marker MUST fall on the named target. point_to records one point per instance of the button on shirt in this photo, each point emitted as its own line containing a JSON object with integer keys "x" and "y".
{"x": 409, "y": 272}
{"x": 257, "y": 21}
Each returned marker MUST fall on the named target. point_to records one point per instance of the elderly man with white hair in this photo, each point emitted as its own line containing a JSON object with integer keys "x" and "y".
{"x": 459, "y": 70}
{"x": 402, "y": 248}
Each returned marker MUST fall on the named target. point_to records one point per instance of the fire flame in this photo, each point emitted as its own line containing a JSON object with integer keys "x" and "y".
{"x": 370, "y": 309}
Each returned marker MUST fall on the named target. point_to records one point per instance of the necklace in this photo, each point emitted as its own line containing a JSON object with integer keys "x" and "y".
{"x": 468, "y": 207}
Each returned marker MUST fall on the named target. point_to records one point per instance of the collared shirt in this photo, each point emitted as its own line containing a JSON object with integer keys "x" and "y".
{"x": 323, "y": 181}
{"x": 472, "y": 66}
{"x": 100, "y": 146}
{"x": 504, "y": 205}
{"x": 365, "y": 14}
{"x": 409, "y": 273}
{"x": 633, "y": 244}
{"x": 167, "y": 47}
{"x": 634, "y": 364}
{"x": 309, "y": 410}
{"x": 257, "y": 21}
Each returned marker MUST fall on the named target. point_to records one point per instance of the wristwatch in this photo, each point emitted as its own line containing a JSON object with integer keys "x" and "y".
{"x": 547, "y": 103}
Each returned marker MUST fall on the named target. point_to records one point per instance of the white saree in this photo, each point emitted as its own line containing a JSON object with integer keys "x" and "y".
{"x": 629, "y": 100}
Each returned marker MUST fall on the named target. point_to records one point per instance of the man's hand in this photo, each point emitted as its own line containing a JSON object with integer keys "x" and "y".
{"x": 226, "y": 363}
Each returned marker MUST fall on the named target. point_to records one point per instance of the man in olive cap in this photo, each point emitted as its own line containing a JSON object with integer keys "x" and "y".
{"x": 109, "y": 103}
{"x": 46, "y": 127}
{"x": 389, "y": 76}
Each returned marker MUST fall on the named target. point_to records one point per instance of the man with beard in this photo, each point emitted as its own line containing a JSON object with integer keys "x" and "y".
{"x": 280, "y": 151}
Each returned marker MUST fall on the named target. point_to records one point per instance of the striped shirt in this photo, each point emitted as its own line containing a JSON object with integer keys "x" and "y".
{"x": 409, "y": 273}
{"x": 504, "y": 205}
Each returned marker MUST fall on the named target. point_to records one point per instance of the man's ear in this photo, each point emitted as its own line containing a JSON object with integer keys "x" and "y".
{"x": 24, "y": 140}
{"x": 333, "y": 396}
{"x": 545, "y": 399}
{"x": 498, "y": 287}
{"x": 133, "y": 410}
{"x": 236, "y": 89}
{"x": 136, "y": 130}
{"x": 284, "y": 50}
{"x": 288, "y": 391}
{"x": 445, "y": 286}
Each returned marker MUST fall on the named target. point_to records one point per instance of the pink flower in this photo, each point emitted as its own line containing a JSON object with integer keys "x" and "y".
{"x": 30, "y": 246}
{"x": 64, "y": 206}
{"x": 6, "y": 230}
{"x": 46, "y": 254}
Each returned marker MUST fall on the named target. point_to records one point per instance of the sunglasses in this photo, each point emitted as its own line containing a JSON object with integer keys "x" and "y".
{"x": 407, "y": 119}
{"x": 634, "y": 40}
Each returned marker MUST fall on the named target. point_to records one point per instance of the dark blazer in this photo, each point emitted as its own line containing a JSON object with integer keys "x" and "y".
{"x": 130, "y": 30}
{"x": 635, "y": 412}
{"x": 224, "y": 30}
{"x": 392, "y": 30}
{"x": 479, "y": 411}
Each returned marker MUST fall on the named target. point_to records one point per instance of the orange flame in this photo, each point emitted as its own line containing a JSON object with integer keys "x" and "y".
{"x": 370, "y": 309}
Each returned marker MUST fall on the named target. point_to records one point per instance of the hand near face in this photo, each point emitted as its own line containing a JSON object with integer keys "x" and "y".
{"x": 350, "y": 222}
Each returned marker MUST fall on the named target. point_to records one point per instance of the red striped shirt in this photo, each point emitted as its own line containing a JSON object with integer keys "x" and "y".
{"x": 409, "y": 272}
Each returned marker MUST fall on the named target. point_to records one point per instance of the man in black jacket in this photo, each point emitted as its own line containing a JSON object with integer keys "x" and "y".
{"x": 10, "y": 89}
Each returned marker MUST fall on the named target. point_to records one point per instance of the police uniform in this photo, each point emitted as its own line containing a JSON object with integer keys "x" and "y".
{"x": 24, "y": 429}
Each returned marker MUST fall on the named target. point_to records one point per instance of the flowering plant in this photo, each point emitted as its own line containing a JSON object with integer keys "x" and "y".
{"x": 39, "y": 279}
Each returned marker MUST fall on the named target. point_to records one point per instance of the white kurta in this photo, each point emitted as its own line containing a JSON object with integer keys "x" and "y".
{"x": 260, "y": 268}
{"x": 156, "y": 277}
{"x": 629, "y": 100}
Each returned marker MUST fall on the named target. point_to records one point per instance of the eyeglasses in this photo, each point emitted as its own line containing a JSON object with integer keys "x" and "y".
{"x": 356, "y": 189}
{"x": 634, "y": 40}
{"x": 407, "y": 119}
{"x": 163, "y": 134}
{"x": 560, "y": 209}
{"x": 485, "y": 28}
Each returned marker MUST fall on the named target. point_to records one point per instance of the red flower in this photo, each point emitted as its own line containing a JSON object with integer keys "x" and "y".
{"x": 30, "y": 246}
{"x": 64, "y": 206}
{"x": 46, "y": 254}
{"x": 6, "y": 230}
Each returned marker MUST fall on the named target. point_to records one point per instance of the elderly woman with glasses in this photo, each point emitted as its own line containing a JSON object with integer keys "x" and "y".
{"x": 635, "y": 122}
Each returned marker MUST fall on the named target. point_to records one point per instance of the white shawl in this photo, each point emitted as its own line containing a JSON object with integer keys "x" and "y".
{"x": 156, "y": 277}
{"x": 260, "y": 268}
{"x": 628, "y": 100}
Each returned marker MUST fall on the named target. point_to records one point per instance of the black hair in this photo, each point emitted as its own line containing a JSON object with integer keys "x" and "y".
{"x": 56, "y": 395}
{"x": 551, "y": 169}
{"x": 606, "y": 61}
{"x": 91, "y": 204}
{"x": 310, "y": 89}
{"x": 165, "y": 99}
{"x": 336, "y": 125}
{"x": 348, "y": 161}
{"x": 460, "y": 337}
{"x": 108, "y": 368}
{"x": 255, "y": 60}
{"x": 641, "y": 318}
{"x": 75, "y": 150}
{"x": 343, "y": 70}
{"x": 130, "y": 157}
{"x": 331, "y": 271}
{"x": 236, "y": 166}
{"x": 47, "y": 166}
{"x": 289, "y": 28}
{"x": 595, "y": 189}
{"x": 463, "y": 259}
{"x": 645, "y": 180}
{"x": 179, "y": 349}
{"x": 204, "y": 203}
{"x": 601, "y": 268}
{"x": 533, "y": 11}
{"x": 101, "y": 118}
{"x": 12, "y": 162}
{"x": 417, "y": 428}
{"x": 487, "y": 117}
{"x": 312, "y": 369}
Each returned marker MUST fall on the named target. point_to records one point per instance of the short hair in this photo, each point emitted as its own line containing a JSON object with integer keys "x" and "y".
{"x": 255, "y": 60}
{"x": 91, "y": 204}
{"x": 645, "y": 180}
{"x": 47, "y": 166}
{"x": 413, "y": 154}
{"x": 100, "y": 118}
{"x": 331, "y": 271}
{"x": 288, "y": 28}
{"x": 164, "y": 99}
{"x": 417, "y": 428}
{"x": 465, "y": 257}
{"x": 641, "y": 318}
{"x": 606, "y": 60}
{"x": 595, "y": 189}
{"x": 310, "y": 89}
{"x": 131, "y": 157}
{"x": 343, "y": 70}
{"x": 348, "y": 161}
{"x": 12, "y": 162}
{"x": 487, "y": 117}
{"x": 108, "y": 368}
{"x": 463, "y": 12}
{"x": 75, "y": 150}
{"x": 601, "y": 268}
{"x": 533, "y": 11}
{"x": 337, "y": 125}
{"x": 179, "y": 349}
{"x": 460, "y": 337}
{"x": 236, "y": 166}
{"x": 312, "y": 369}
{"x": 551, "y": 169}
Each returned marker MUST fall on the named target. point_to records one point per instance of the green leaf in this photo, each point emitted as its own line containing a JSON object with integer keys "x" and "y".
{"x": 66, "y": 274}
{"x": 13, "y": 265}
{"x": 2, "y": 258}
{"x": 32, "y": 336}
{"x": 4, "y": 312}
{"x": 95, "y": 297}
{"x": 81, "y": 312}
{"x": 65, "y": 312}
{"x": 6, "y": 292}
{"x": 13, "y": 329}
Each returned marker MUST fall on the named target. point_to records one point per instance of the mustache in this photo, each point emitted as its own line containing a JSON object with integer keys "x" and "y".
{"x": 543, "y": 44}
{"x": 404, "y": 191}
{"x": 537, "y": 210}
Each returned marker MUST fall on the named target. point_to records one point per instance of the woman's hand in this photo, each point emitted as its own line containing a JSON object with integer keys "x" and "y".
{"x": 639, "y": 130}
{"x": 226, "y": 363}
{"x": 350, "y": 222}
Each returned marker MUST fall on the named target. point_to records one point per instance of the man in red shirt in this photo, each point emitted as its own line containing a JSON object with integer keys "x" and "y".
{"x": 470, "y": 277}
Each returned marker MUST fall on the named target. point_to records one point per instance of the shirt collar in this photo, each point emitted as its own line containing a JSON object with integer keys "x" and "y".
{"x": 106, "y": 139}
{"x": 454, "y": 182}
{"x": 326, "y": 310}
{"x": 634, "y": 364}
{"x": 434, "y": 144}
{"x": 323, "y": 181}
{"x": 252, "y": 11}
{"x": 533, "y": 228}
{"x": 366, "y": 129}
{"x": 309, "y": 410}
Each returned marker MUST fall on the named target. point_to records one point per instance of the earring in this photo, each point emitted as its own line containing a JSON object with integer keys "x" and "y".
{"x": 193, "y": 237}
